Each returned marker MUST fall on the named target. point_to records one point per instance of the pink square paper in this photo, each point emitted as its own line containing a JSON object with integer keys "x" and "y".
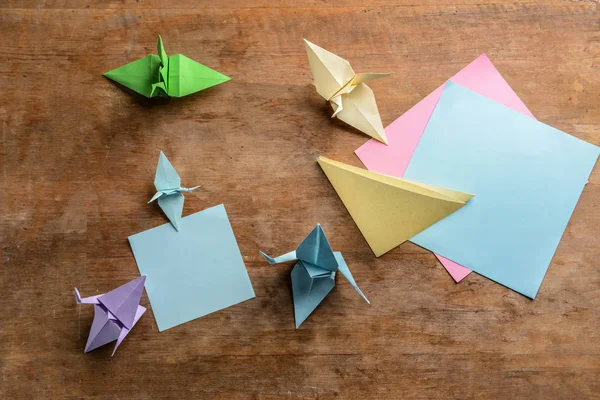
{"x": 404, "y": 133}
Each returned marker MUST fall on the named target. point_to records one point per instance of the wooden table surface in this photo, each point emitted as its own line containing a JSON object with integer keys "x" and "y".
{"x": 78, "y": 155}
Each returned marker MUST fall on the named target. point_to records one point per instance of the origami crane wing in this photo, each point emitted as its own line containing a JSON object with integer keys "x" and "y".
{"x": 315, "y": 250}
{"x": 124, "y": 331}
{"x": 360, "y": 111}
{"x": 103, "y": 330}
{"x": 308, "y": 291}
{"x": 123, "y": 301}
{"x": 187, "y": 76}
{"x": 166, "y": 177}
{"x": 330, "y": 72}
{"x": 138, "y": 75}
{"x": 172, "y": 206}
{"x": 343, "y": 268}
{"x": 310, "y": 284}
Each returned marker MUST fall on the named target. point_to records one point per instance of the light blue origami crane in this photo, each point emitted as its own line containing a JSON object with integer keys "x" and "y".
{"x": 313, "y": 276}
{"x": 169, "y": 191}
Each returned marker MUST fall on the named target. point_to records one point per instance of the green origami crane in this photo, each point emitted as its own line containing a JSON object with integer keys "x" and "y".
{"x": 159, "y": 75}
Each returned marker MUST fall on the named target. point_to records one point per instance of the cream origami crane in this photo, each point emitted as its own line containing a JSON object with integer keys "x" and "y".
{"x": 353, "y": 102}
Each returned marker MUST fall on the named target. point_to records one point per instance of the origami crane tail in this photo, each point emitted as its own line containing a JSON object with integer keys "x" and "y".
{"x": 365, "y": 77}
{"x": 336, "y": 103}
{"x": 156, "y": 196}
{"x": 291, "y": 256}
{"x": 187, "y": 76}
{"x": 343, "y": 268}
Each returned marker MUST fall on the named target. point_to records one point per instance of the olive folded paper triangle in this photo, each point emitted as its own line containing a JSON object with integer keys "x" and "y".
{"x": 387, "y": 210}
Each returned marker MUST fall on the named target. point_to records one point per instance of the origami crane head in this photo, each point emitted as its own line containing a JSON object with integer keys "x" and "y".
{"x": 169, "y": 191}
{"x": 313, "y": 276}
{"x": 115, "y": 313}
{"x": 353, "y": 102}
{"x": 160, "y": 75}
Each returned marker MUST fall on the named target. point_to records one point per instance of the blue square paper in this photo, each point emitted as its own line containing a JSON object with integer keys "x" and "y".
{"x": 193, "y": 272}
{"x": 526, "y": 177}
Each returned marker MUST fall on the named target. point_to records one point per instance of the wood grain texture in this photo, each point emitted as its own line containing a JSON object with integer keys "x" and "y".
{"x": 78, "y": 155}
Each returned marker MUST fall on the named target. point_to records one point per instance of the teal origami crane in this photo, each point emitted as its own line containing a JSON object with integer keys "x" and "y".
{"x": 160, "y": 75}
{"x": 169, "y": 191}
{"x": 313, "y": 276}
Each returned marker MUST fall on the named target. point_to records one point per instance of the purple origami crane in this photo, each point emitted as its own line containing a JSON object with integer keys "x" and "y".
{"x": 115, "y": 313}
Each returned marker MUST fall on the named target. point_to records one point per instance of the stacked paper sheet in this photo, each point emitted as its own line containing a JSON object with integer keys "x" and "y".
{"x": 476, "y": 136}
{"x": 192, "y": 272}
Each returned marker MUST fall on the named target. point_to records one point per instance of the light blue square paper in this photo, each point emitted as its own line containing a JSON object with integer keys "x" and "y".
{"x": 193, "y": 272}
{"x": 526, "y": 177}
